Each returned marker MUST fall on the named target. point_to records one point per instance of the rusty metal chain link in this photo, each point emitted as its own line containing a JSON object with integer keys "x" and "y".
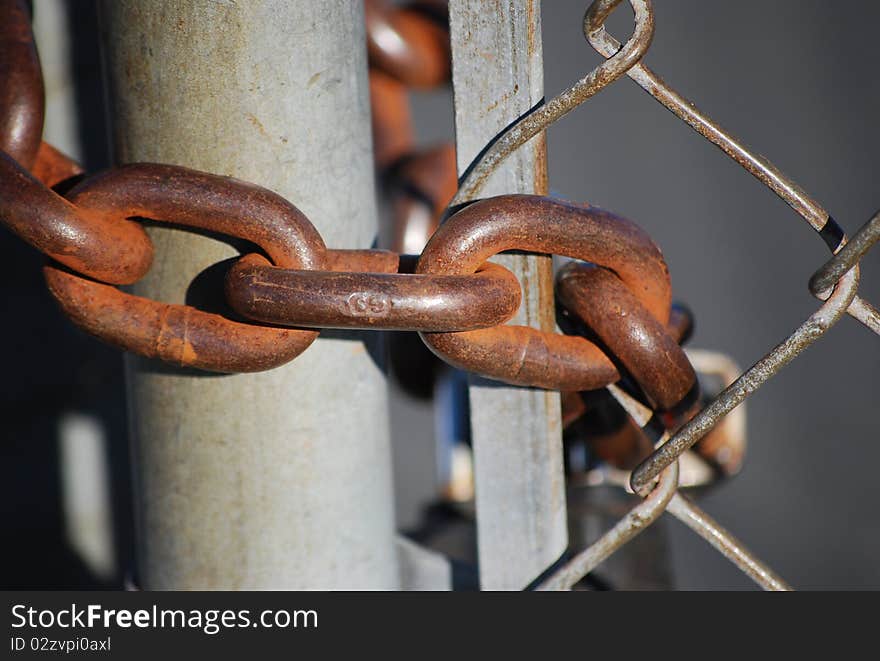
{"x": 525, "y": 356}
{"x": 622, "y": 326}
{"x": 21, "y": 96}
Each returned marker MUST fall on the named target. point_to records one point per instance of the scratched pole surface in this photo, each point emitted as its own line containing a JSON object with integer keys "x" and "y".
{"x": 520, "y": 492}
{"x": 281, "y": 479}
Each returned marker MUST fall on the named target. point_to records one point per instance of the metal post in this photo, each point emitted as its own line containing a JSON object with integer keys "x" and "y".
{"x": 520, "y": 487}
{"x": 281, "y": 479}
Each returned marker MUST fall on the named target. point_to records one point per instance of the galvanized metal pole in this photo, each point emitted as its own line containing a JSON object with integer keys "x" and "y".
{"x": 497, "y": 76}
{"x": 281, "y": 479}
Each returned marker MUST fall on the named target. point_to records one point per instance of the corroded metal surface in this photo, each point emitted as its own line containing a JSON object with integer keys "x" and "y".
{"x": 520, "y": 354}
{"x": 53, "y": 167}
{"x": 116, "y": 251}
{"x": 180, "y": 334}
{"x": 594, "y": 417}
{"x": 326, "y": 299}
{"x": 21, "y": 92}
{"x": 636, "y": 338}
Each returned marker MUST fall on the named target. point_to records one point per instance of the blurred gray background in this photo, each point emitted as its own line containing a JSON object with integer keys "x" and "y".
{"x": 796, "y": 79}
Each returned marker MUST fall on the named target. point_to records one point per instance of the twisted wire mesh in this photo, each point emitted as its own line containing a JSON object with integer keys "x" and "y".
{"x": 835, "y": 283}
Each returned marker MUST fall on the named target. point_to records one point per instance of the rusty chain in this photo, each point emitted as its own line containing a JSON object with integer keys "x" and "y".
{"x": 454, "y": 296}
{"x": 615, "y": 301}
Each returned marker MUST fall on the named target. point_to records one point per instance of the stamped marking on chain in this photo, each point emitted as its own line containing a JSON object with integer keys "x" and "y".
{"x": 364, "y": 304}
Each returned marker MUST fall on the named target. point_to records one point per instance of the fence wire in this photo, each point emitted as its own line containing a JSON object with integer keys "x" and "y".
{"x": 835, "y": 283}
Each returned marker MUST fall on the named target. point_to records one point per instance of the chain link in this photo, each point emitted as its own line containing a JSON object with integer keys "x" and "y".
{"x": 519, "y": 354}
